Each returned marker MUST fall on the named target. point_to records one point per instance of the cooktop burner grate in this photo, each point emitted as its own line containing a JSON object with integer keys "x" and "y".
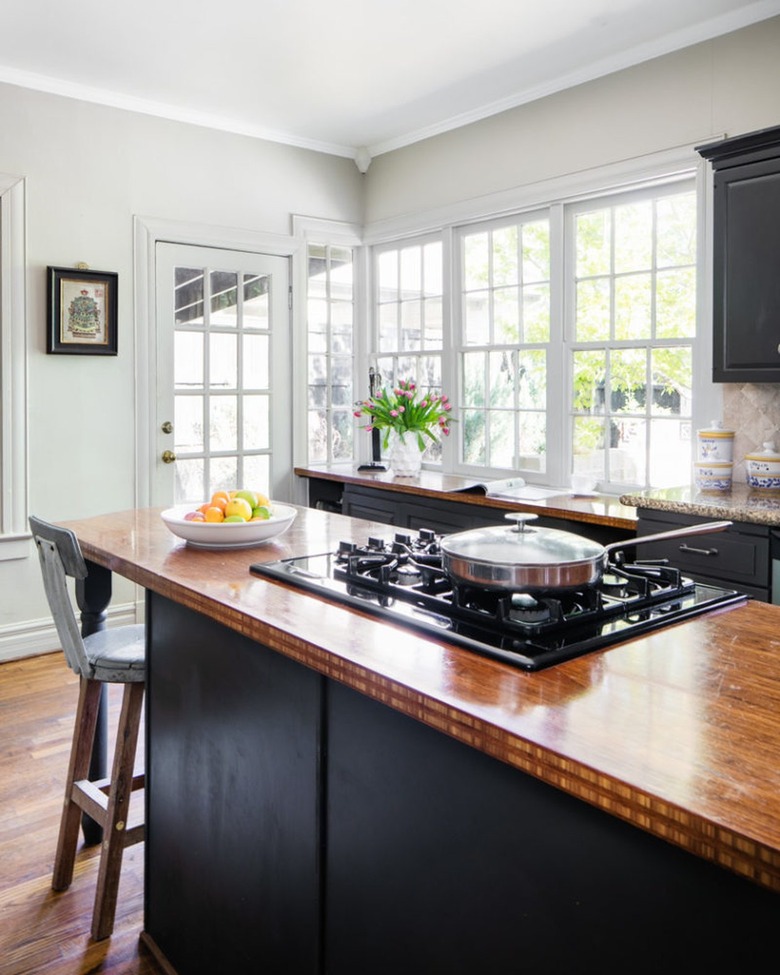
{"x": 401, "y": 580}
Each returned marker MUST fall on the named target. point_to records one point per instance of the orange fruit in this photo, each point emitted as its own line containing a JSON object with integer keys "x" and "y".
{"x": 215, "y": 514}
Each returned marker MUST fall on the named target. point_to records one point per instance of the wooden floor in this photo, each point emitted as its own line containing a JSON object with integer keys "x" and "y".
{"x": 40, "y": 930}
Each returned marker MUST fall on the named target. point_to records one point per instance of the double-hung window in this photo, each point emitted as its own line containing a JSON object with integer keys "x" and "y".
{"x": 409, "y": 308}
{"x": 330, "y": 352}
{"x": 565, "y": 334}
{"x": 575, "y": 337}
{"x": 631, "y": 318}
{"x": 506, "y": 336}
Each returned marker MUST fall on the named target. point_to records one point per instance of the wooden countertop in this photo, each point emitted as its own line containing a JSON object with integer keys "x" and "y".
{"x": 599, "y": 509}
{"x": 741, "y": 503}
{"x": 677, "y": 732}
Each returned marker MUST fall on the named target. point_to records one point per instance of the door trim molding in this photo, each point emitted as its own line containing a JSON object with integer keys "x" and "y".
{"x": 147, "y": 233}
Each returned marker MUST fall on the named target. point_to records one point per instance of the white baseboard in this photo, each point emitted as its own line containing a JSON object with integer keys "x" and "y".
{"x": 33, "y": 637}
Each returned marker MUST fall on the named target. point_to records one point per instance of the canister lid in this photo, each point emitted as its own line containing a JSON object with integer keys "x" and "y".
{"x": 716, "y": 430}
{"x": 768, "y": 452}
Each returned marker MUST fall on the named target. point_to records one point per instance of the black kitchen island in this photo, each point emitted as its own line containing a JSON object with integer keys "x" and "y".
{"x": 330, "y": 794}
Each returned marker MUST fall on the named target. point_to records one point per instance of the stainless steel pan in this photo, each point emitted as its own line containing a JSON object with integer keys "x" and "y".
{"x": 525, "y": 558}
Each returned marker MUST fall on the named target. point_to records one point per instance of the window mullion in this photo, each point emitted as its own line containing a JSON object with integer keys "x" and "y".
{"x": 559, "y": 378}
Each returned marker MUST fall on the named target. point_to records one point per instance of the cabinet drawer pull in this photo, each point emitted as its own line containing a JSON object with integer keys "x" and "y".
{"x": 698, "y": 551}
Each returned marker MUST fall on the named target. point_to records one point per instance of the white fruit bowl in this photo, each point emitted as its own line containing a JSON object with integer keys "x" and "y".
{"x": 232, "y": 534}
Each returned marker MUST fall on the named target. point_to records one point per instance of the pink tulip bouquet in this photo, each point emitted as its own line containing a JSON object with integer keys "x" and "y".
{"x": 405, "y": 410}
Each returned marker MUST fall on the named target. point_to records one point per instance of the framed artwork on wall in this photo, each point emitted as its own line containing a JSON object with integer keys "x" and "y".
{"x": 82, "y": 311}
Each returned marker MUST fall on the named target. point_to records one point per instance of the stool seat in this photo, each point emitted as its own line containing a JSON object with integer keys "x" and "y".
{"x": 117, "y": 656}
{"x": 108, "y": 656}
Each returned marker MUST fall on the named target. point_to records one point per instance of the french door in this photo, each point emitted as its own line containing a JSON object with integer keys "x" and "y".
{"x": 223, "y": 378}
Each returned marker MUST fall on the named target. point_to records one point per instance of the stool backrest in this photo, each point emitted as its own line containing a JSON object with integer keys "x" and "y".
{"x": 60, "y": 556}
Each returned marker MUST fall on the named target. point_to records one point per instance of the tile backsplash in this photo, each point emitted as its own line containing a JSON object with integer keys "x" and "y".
{"x": 753, "y": 412}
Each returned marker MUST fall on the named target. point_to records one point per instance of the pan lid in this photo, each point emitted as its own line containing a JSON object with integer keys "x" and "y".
{"x": 521, "y": 545}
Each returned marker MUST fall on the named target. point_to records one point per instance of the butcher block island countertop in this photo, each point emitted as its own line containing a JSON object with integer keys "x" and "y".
{"x": 676, "y": 733}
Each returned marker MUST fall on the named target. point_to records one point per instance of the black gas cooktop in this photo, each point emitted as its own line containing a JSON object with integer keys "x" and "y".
{"x": 401, "y": 579}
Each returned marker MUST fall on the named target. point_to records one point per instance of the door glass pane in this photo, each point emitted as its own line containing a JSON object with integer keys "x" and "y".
{"x": 257, "y": 474}
{"x": 223, "y": 423}
{"x": 223, "y": 362}
{"x": 188, "y": 296}
{"x": 255, "y": 362}
{"x": 224, "y": 473}
{"x": 256, "y": 428}
{"x": 224, "y": 298}
{"x": 188, "y": 360}
{"x": 190, "y": 480}
{"x": 256, "y": 301}
{"x": 188, "y": 424}
{"x": 342, "y": 435}
{"x": 318, "y": 435}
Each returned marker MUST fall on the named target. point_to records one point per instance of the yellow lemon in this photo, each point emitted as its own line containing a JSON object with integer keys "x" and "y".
{"x": 240, "y": 507}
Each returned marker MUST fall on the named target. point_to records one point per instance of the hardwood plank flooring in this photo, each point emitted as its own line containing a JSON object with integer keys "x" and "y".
{"x": 40, "y": 930}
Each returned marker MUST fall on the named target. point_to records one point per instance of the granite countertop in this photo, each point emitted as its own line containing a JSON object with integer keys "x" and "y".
{"x": 740, "y": 504}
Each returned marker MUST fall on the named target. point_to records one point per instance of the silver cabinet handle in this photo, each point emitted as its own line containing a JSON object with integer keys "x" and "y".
{"x": 698, "y": 551}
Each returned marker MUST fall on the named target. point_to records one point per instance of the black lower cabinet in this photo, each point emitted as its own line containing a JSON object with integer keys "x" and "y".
{"x": 296, "y": 826}
{"x": 443, "y": 860}
{"x": 233, "y": 773}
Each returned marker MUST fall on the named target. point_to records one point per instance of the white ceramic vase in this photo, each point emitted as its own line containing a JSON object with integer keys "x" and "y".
{"x": 405, "y": 454}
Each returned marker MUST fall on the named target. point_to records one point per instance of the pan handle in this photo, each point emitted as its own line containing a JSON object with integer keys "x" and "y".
{"x": 708, "y": 526}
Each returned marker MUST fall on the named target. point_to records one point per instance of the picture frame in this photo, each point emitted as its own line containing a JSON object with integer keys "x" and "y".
{"x": 82, "y": 311}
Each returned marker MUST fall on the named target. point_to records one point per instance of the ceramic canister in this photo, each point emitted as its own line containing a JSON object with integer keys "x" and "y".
{"x": 715, "y": 444}
{"x": 712, "y": 475}
{"x": 763, "y": 468}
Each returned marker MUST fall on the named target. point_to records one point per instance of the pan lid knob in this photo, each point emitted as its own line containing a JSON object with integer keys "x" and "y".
{"x": 520, "y": 518}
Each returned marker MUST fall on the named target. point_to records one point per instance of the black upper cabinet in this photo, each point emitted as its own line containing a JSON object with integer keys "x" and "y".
{"x": 746, "y": 253}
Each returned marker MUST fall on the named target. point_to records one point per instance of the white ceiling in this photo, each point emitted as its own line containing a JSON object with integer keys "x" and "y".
{"x": 341, "y": 76}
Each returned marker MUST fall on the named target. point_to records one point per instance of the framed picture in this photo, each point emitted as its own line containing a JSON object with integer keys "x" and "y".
{"x": 82, "y": 312}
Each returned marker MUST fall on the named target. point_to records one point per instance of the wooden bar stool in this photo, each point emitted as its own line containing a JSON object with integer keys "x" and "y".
{"x": 110, "y": 656}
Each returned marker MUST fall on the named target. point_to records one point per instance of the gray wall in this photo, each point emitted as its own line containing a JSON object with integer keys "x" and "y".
{"x": 729, "y": 85}
{"x": 89, "y": 170}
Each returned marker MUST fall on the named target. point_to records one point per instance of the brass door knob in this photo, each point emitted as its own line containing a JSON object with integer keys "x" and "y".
{"x": 167, "y": 427}
{"x": 168, "y": 457}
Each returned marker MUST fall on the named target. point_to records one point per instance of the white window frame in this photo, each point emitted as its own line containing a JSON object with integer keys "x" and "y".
{"x": 14, "y": 528}
{"x": 571, "y": 210}
{"x": 447, "y": 444}
{"x": 554, "y": 408}
{"x": 553, "y": 195}
{"x": 313, "y": 230}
